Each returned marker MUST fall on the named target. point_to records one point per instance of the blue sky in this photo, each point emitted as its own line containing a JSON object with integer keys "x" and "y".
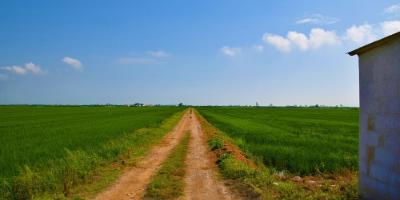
{"x": 195, "y": 52}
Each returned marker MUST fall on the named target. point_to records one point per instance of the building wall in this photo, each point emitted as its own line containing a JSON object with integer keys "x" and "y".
{"x": 380, "y": 122}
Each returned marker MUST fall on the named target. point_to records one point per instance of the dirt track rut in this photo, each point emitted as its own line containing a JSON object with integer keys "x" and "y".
{"x": 133, "y": 182}
{"x": 200, "y": 180}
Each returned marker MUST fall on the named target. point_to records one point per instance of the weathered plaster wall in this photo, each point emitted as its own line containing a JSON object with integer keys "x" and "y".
{"x": 380, "y": 122}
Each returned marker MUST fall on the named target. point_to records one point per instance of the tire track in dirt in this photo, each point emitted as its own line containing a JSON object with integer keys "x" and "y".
{"x": 133, "y": 182}
{"x": 201, "y": 182}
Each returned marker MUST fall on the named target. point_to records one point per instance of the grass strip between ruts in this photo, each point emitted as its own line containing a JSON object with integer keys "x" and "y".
{"x": 168, "y": 182}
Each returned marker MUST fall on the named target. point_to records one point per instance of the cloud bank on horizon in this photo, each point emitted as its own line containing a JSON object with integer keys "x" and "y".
{"x": 319, "y": 37}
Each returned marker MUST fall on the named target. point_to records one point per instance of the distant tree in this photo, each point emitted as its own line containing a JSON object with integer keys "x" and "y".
{"x": 138, "y": 104}
{"x": 180, "y": 104}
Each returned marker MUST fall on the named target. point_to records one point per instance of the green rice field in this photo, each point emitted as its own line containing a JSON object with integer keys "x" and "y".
{"x": 299, "y": 140}
{"x": 41, "y": 145}
{"x": 52, "y": 149}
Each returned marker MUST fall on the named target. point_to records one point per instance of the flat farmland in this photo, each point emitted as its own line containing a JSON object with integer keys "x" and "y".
{"x": 86, "y": 152}
{"x": 300, "y": 140}
{"x": 45, "y": 140}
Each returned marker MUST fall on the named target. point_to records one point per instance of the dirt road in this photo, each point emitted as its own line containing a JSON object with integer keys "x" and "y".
{"x": 200, "y": 179}
{"x": 201, "y": 182}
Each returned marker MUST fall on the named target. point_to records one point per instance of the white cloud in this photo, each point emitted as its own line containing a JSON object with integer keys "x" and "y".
{"x": 299, "y": 39}
{"x": 393, "y": 9}
{"x": 307, "y": 20}
{"x": 21, "y": 70}
{"x": 15, "y": 69}
{"x": 158, "y": 54}
{"x": 390, "y": 27}
{"x": 317, "y": 19}
{"x": 278, "y": 41}
{"x": 366, "y": 33}
{"x": 360, "y": 34}
{"x": 34, "y": 69}
{"x": 74, "y": 63}
{"x": 230, "y": 51}
{"x": 318, "y": 37}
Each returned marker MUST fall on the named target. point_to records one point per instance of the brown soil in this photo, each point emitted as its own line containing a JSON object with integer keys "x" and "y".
{"x": 201, "y": 182}
{"x": 133, "y": 182}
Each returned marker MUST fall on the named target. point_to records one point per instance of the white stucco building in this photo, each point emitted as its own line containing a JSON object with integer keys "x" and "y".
{"x": 379, "y": 147}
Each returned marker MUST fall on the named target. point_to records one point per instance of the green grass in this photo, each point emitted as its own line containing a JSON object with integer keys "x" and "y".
{"x": 50, "y": 149}
{"x": 300, "y": 140}
{"x": 168, "y": 182}
{"x": 254, "y": 183}
{"x": 260, "y": 182}
{"x": 215, "y": 143}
